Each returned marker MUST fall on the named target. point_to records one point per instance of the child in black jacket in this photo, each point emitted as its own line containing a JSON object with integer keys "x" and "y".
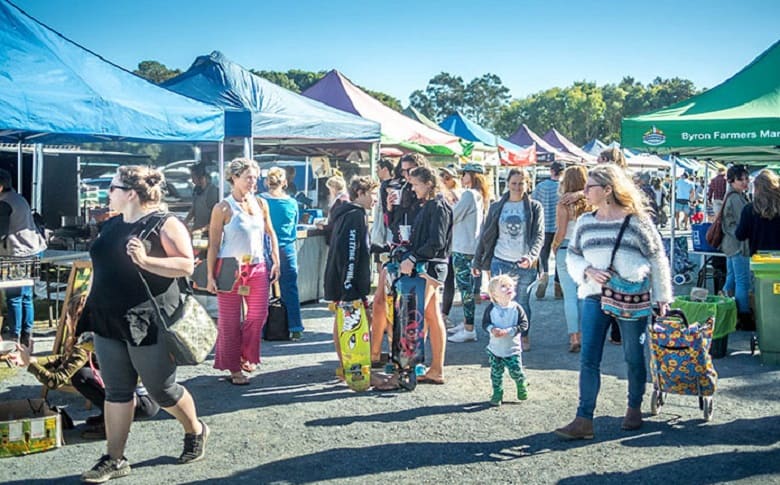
{"x": 348, "y": 267}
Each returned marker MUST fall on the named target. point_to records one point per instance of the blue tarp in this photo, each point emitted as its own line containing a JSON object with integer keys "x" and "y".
{"x": 460, "y": 125}
{"x": 59, "y": 92}
{"x": 259, "y": 108}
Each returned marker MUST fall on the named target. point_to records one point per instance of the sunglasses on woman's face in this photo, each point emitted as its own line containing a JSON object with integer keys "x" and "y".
{"x": 112, "y": 188}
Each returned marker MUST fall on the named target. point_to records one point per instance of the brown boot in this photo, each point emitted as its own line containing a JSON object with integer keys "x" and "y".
{"x": 558, "y": 291}
{"x": 574, "y": 342}
{"x": 542, "y": 288}
{"x": 633, "y": 419}
{"x": 579, "y": 429}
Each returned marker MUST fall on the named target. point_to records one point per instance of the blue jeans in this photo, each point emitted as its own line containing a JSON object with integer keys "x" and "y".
{"x": 20, "y": 309}
{"x": 569, "y": 287}
{"x": 288, "y": 285}
{"x": 524, "y": 276}
{"x": 595, "y": 325}
{"x": 738, "y": 281}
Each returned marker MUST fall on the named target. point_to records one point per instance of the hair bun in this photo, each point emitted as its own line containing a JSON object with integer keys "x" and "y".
{"x": 153, "y": 179}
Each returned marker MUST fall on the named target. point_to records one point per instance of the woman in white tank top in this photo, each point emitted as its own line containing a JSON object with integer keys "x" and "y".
{"x": 237, "y": 230}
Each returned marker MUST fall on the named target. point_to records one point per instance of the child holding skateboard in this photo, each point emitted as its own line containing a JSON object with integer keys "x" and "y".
{"x": 505, "y": 320}
{"x": 348, "y": 267}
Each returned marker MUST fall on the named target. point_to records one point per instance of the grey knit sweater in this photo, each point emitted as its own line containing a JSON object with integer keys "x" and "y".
{"x": 641, "y": 254}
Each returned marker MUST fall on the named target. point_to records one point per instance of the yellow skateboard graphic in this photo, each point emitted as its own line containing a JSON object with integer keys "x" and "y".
{"x": 355, "y": 344}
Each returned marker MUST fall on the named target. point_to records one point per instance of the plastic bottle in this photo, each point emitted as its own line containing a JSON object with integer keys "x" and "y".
{"x": 419, "y": 370}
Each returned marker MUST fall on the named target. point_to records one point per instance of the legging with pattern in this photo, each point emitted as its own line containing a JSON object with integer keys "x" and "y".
{"x": 461, "y": 263}
{"x": 513, "y": 363}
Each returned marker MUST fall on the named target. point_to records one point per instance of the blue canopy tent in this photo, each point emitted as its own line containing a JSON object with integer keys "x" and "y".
{"x": 462, "y": 126}
{"x": 278, "y": 120}
{"x": 53, "y": 91}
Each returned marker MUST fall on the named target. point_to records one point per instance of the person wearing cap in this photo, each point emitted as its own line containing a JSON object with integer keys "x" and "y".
{"x": 467, "y": 216}
{"x": 546, "y": 192}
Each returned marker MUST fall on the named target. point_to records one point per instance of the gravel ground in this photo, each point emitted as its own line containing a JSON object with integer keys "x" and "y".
{"x": 296, "y": 424}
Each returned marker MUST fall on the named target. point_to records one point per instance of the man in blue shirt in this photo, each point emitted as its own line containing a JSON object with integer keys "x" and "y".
{"x": 546, "y": 192}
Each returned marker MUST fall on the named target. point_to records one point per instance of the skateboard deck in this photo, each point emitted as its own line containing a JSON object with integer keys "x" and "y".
{"x": 408, "y": 328}
{"x": 355, "y": 344}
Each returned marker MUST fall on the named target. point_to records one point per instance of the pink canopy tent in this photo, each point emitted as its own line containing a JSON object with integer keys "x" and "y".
{"x": 557, "y": 140}
{"x": 398, "y": 130}
{"x": 524, "y": 137}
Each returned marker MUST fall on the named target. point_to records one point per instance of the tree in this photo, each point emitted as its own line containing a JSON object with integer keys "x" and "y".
{"x": 155, "y": 71}
{"x": 385, "y": 99}
{"x": 444, "y": 95}
{"x": 484, "y": 98}
{"x": 278, "y": 78}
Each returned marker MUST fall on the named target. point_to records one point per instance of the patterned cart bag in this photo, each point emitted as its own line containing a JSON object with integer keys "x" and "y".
{"x": 680, "y": 362}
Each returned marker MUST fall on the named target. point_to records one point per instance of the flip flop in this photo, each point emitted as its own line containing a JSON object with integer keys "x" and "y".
{"x": 237, "y": 382}
{"x": 424, "y": 379}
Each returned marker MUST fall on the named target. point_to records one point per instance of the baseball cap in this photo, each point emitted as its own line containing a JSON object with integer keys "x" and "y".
{"x": 448, "y": 171}
{"x": 472, "y": 167}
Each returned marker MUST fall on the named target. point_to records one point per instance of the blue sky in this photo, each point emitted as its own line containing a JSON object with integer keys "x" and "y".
{"x": 396, "y": 47}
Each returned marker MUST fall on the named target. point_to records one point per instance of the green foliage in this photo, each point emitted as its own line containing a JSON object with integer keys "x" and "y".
{"x": 584, "y": 110}
{"x": 485, "y": 97}
{"x": 444, "y": 95}
{"x": 155, "y": 71}
{"x": 385, "y": 99}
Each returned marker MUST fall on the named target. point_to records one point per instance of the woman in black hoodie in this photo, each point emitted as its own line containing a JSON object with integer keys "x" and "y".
{"x": 348, "y": 268}
{"x": 431, "y": 241}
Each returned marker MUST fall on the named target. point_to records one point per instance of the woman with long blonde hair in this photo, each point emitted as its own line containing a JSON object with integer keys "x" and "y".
{"x": 574, "y": 179}
{"x": 640, "y": 256}
{"x": 760, "y": 221}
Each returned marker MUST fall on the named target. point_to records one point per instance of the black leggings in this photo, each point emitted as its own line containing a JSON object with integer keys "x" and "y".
{"x": 121, "y": 364}
{"x": 85, "y": 383}
{"x": 449, "y": 289}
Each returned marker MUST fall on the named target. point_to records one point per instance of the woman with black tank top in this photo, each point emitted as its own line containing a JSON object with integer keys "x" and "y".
{"x": 141, "y": 242}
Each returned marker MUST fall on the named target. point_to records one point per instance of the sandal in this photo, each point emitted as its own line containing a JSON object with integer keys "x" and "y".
{"x": 426, "y": 379}
{"x": 248, "y": 367}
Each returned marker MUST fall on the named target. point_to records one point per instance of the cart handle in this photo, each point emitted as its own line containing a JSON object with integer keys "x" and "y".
{"x": 674, "y": 312}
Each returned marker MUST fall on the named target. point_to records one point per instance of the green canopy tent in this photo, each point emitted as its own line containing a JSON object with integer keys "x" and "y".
{"x": 738, "y": 120}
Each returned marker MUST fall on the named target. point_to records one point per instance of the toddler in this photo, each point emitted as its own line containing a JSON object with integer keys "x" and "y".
{"x": 504, "y": 320}
{"x": 697, "y": 212}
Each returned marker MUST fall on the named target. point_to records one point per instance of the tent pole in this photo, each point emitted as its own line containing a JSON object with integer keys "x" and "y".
{"x": 372, "y": 158}
{"x": 248, "y": 147}
{"x": 306, "y": 174}
{"x": 78, "y": 192}
{"x": 38, "y": 174}
{"x": 221, "y": 155}
{"x": 706, "y": 182}
{"x": 673, "y": 190}
{"x": 19, "y": 161}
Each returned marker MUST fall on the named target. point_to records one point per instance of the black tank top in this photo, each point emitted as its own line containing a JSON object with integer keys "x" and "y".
{"x": 118, "y": 306}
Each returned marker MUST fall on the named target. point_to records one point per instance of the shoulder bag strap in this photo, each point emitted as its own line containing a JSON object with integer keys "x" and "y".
{"x": 617, "y": 241}
{"x": 161, "y": 218}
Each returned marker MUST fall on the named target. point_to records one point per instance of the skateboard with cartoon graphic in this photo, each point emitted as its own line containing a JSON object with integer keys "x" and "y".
{"x": 408, "y": 347}
{"x": 355, "y": 344}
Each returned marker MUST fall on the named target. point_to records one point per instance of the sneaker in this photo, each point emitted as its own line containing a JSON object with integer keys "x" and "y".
{"x": 463, "y": 336}
{"x": 296, "y": 335}
{"x": 522, "y": 391}
{"x": 497, "y": 398}
{"x": 106, "y": 469}
{"x": 194, "y": 445}
{"x": 457, "y": 328}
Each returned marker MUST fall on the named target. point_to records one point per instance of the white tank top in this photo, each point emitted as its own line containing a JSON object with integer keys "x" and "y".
{"x": 244, "y": 235}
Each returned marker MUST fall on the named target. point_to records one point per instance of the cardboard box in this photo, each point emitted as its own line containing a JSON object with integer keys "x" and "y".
{"x": 28, "y": 426}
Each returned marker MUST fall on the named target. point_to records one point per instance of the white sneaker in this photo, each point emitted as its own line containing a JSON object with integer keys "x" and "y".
{"x": 463, "y": 336}
{"x": 457, "y": 328}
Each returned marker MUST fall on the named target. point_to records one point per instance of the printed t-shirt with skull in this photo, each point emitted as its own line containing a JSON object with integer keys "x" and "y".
{"x": 511, "y": 244}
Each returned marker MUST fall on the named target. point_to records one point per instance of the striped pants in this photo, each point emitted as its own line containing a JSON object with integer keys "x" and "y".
{"x": 239, "y": 340}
